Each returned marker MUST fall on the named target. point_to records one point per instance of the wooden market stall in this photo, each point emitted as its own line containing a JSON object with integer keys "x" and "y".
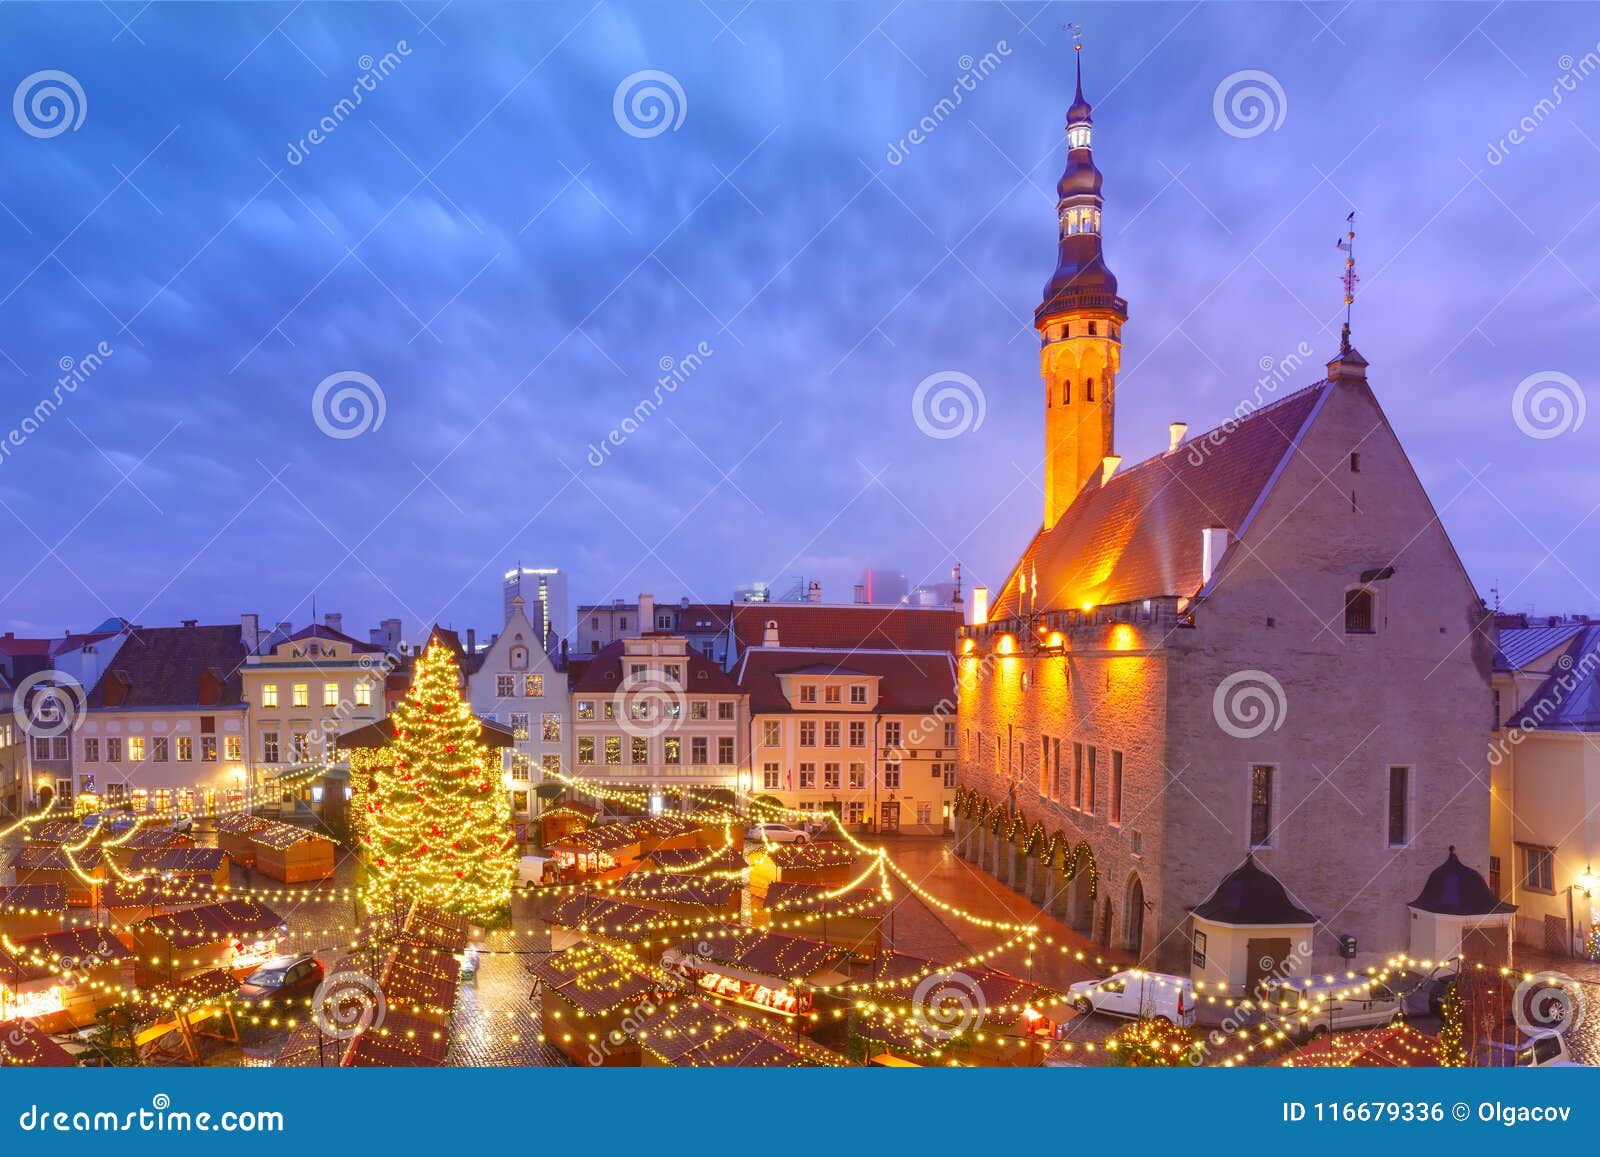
{"x": 291, "y": 854}
{"x": 688, "y": 895}
{"x": 828, "y": 863}
{"x": 718, "y": 859}
{"x": 61, "y": 980}
{"x": 853, "y": 920}
{"x": 587, "y": 917}
{"x": 688, "y": 1034}
{"x": 767, "y": 972}
{"x": 32, "y": 910}
{"x": 564, "y": 818}
{"x": 235, "y": 935}
{"x": 421, "y": 982}
{"x": 23, "y": 1044}
{"x": 588, "y": 1002}
{"x": 606, "y": 852}
{"x": 125, "y": 849}
{"x": 81, "y": 871}
{"x": 192, "y": 866}
{"x": 127, "y": 902}
{"x": 176, "y": 1021}
{"x": 233, "y": 836}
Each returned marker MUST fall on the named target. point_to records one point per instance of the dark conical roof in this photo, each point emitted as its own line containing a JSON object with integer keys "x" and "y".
{"x": 1457, "y": 890}
{"x": 1252, "y": 895}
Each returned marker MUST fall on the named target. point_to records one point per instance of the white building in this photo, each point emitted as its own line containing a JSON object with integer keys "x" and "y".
{"x": 518, "y": 684}
{"x": 546, "y": 585}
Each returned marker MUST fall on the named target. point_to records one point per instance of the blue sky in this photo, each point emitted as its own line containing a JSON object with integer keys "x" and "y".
{"x": 483, "y": 240}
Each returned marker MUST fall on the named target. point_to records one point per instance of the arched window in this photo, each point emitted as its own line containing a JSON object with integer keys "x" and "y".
{"x": 1066, "y": 393}
{"x": 1088, "y": 390}
{"x": 1359, "y": 612}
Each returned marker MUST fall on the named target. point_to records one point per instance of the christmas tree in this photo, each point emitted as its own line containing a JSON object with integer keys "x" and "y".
{"x": 435, "y": 821}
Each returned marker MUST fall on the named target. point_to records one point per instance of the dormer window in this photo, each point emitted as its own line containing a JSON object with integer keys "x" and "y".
{"x": 808, "y": 693}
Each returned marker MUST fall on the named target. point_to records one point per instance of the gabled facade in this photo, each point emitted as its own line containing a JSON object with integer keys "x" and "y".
{"x": 518, "y": 684}
{"x": 1259, "y": 643}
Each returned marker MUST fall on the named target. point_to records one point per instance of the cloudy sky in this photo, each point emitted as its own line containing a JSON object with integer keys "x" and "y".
{"x": 510, "y": 257}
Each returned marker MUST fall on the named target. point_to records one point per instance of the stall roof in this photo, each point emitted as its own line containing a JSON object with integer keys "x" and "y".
{"x": 153, "y": 892}
{"x": 1393, "y": 1046}
{"x": 436, "y": 928}
{"x": 823, "y": 854}
{"x": 179, "y": 860}
{"x": 603, "y": 916}
{"x": 707, "y": 891}
{"x": 401, "y": 1041}
{"x": 282, "y": 837}
{"x": 814, "y": 898}
{"x": 681, "y": 1027}
{"x": 605, "y": 838}
{"x": 73, "y": 950}
{"x": 57, "y": 858}
{"x": 176, "y": 996}
{"x": 150, "y": 839}
{"x": 729, "y": 859}
{"x": 240, "y": 824}
{"x": 58, "y": 832}
{"x": 212, "y": 922}
{"x": 589, "y": 979}
{"x": 769, "y": 954}
{"x": 22, "y": 1045}
{"x": 33, "y": 898}
{"x": 421, "y": 978}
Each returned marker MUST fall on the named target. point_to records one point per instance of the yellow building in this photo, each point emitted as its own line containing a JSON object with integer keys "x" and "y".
{"x": 1545, "y": 775}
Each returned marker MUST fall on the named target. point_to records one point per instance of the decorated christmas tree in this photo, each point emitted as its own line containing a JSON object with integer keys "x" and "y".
{"x": 435, "y": 821}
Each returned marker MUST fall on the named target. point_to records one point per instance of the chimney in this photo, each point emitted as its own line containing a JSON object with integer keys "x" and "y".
{"x": 286, "y": 627}
{"x": 1213, "y": 544}
{"x": 1175, "y": 433}
{"x": 769, "y": 637}
{"x": 980, "y": 606}
{"x": 190, "y": 622}
{"x": 814, "y": 592}
{"x": 647, "y": 613}
{"x": 1108, "y": 467}
{"x": 250, "y": 633}
{"x": 472, "y": 640}
{"x": 333, "y": 622}
{"x": 859, "y": 592}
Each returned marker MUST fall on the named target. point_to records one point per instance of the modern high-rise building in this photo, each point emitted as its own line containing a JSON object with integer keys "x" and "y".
{"x": 546, "y": 585}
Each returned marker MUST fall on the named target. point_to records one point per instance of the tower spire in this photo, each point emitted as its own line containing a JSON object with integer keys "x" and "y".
{"x": 1079, "y": 320}
{"x": 1349, "y": 279}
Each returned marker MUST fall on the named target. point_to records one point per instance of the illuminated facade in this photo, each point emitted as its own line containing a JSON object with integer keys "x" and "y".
{"x": 1258, "y": 643}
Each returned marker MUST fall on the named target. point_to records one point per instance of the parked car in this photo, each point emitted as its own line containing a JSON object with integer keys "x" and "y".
{"x": 1540, "y": 1052}
{"x": 1136, "y": 993}
{"x": 282, "y": 979}
{"x": 183, "y": 823}
{"x": 778, "y": 834}
{"x": 532, "y": 870}
{"x": 1308, "y": 1008}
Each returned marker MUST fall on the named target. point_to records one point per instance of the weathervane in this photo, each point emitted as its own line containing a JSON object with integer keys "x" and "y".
{"x": 1348, "y": 244}
{"x": 1077, "y": 35}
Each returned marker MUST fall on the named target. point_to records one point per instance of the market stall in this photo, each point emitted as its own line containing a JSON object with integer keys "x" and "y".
{"x": 588, "y": 917}
{"x": 192, "y": 866}
{"x": 829, "y": 864}
{"x": 602, "y": 853}
{"x": 291, "y": 854}
{"x": 125, "y": 849}
{"x": 179, "y": 1021}
{"x": 233, "y": 836}
{"x": 81, "y": 871}
{"x": 61, "y": 980}
{"x": 589, "y": 1002}
{"x": 24, "y": 1045}
{"x": 767, "y": 972}
{"x": 852, "y": 920}
{"x": 32, "y": 910}
{"x": 689, "y": 895}
{"x": 236, "y": 936}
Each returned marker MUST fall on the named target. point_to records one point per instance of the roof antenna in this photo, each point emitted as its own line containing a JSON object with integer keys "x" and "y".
{"x": 1348, "y": 244}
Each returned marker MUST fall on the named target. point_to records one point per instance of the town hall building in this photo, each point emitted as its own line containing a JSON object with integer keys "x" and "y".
{"x": 1231, "y": 707}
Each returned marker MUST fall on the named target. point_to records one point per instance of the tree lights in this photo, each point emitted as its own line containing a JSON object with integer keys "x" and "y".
{"x": 434, "y": 824}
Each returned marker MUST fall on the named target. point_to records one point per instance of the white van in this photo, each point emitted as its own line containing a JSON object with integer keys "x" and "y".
{"x": 1304, "y": 1007}
{"x": 1136, "y": 993}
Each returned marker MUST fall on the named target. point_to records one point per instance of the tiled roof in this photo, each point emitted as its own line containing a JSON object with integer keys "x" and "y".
{"x": 282, "y": 837}
{"x": 774, "y": 954}
{"x": 849, "y": 626}
{"x": 603, "y": 673}
{"x": 695, "y": 860}
{"x": 605, "y": 917}
{"x": 590, "y": 980}
{"x": 24, "y": 1045}
{"x": 1520, "y": 646}
{"x": 1138, "y": 536}
{"x": 179, "y": 860}
{"x": 319, "y": 631}
{"x": 75, "y": 950}
{"x": 913, "y": 681}
{"x": 814, "y": 898}
{"x": 401, "y": 1041}
{"x": 704, "y": 618}
{"x": 1569, "y": 697}
{"x": 56, "y": 858}
{"x": 708, "y": 891}
{"x": 174, "y": 667}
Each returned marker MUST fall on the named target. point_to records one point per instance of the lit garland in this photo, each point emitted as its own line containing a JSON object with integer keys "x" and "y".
{"x": 435, "y": 822}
